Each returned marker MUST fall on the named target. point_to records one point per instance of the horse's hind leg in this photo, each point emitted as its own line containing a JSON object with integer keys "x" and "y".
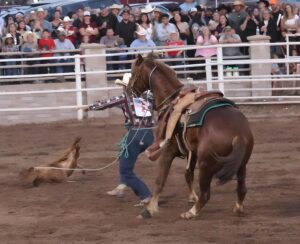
{"x": 205, "y": 177}
{"x": 241, "y": 190}
{"x": 189, "y": 177}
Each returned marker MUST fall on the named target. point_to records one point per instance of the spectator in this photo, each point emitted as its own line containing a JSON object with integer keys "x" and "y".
{"x": 76, "y": 26}
{"x": 115, "y": 10}
{"x": 187, "y": 5}
{"x": 110, "y": 40}
{"x": 268, "y": 27}
{"x": 175, "y": 11}
{"x": 262, "y": 6}
{"x": 147, "y": 10}
{"x": 41, "y": 16}
{"x": 229, "y": 36}
{"x": 289, "y": 21}
{"x": 63, "y": 44}
{"x": 9, "y": 46}
{"x": 183, "y": 27}
{"x": 206, "y": 39}
{"x": 19, "y": 17}
{"x": 131, "y": 18}
{"x": 30, "y": 46}
{"x": 22, "y": 28}
{"x": 142, "y": 41}
{"x": 32, "y": 18}
{"x": 137, "y": 13}
{"x": 224, "y": 10}
{"x": 237, "y": 18}
{"x": 276, "y": 13}
{"x": 249, "y": 26}
{"x": 145, "y": 23}
{"x": 2, "y": 24}
{"x": 164, "y": 29}
{"x": 56, "y": 23}
{"x": 208, "y": 15}
{"x": 223, "y": 23}
{"x": 174, "y": 40}
{"x": 156, "y": 16}
{"x": 106, "y": 20}
{"x": 88, "y": 28}
{"x": 46, "y": 45}
{"x": 192, "y": 14}
{"x": 69, "y": 29}
{"x": 214, "y": 22}
{"x": 38, "y": 29}
{"x": 12, "y": 29}
{"x": 126, "y": 29}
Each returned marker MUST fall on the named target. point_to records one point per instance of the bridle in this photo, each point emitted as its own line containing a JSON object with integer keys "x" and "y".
{"x": 172, "y": 95}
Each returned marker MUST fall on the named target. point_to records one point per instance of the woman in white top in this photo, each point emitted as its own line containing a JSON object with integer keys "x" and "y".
{"x": 145, "y": 23}
{"x": 289, "y": 21}
{"x": 183, "y": 27}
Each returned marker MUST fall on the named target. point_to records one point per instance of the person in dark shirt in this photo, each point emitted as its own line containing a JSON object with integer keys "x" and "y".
{"x": 139, "y": 122}
{"x": 106, "y": 20}
{"x": 76, "y": 26}
{"x": 126, "y": 29}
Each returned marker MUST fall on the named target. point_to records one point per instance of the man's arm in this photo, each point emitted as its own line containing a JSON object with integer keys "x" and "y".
{"x": 108, "y": 103}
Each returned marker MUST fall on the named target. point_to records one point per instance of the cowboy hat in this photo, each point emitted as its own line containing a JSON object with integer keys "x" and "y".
{"x": 67, "y": 19}
{"x": 40, "y": 10}
{"x": 238, "y": 2}
{"x": 148, "y": 9}
{"x": 86, "y": 13}
{"x": 117, "y": 6}
{"x": 28, "y": 33}
{"x": 8, "y": 35}
{"x": 141, "y": 31}
{"x": 124, "y": 81}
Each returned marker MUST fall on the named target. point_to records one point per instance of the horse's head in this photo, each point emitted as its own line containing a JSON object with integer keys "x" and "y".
{"x": 140, "y": 74}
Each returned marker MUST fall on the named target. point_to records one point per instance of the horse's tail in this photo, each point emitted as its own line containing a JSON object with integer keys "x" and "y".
{"x": 232, "y": 162}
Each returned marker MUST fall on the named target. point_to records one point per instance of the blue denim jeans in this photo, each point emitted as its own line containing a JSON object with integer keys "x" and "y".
{"x": 136, "y": 142}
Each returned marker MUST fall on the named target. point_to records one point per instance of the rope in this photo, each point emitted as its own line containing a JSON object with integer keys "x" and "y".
{"x": 66, "y": 169}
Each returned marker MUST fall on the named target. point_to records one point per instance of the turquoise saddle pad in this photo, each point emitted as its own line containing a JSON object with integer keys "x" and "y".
{"x": 196, "y": 119}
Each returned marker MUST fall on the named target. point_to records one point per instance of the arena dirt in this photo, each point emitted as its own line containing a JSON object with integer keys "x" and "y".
{"x": 79, "y": 211}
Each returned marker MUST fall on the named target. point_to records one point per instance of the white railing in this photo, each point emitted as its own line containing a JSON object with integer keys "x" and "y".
{"x": 211, "y": 81}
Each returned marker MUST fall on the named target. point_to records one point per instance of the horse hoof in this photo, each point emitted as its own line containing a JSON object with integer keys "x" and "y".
{"x": 239, "y": 210}
{"x": 145, "y": 214}
{"x": 188, "y": 215}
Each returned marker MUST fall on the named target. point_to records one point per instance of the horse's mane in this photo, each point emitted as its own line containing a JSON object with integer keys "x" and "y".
{"x": 165, "y": 69}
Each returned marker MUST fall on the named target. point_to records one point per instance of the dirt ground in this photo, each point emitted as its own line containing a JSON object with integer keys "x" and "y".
{"x": 79, "y": 211}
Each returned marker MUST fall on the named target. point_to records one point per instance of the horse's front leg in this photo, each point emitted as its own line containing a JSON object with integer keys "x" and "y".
{"x": 165, "y": 160}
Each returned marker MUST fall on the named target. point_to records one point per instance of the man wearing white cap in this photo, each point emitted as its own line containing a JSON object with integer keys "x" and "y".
{"x": 139, "y": 122}
{"x": 142, "y": 41}
{"x": 41, "y": 17}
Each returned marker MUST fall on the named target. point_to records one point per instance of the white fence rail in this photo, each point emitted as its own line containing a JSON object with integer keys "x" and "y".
{"x": 211, "y": 81}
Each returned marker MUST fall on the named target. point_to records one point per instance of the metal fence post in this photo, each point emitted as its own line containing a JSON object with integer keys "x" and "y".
{"x": 78, "y": 87}
{"x": 220, "y": 69}
{"x": 208, "y": 74}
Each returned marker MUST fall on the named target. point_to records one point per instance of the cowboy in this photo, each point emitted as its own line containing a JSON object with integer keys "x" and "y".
{"x": 139, "y": 121}
{"x": 237, "y": 17}
{"x": 142, "y": 41}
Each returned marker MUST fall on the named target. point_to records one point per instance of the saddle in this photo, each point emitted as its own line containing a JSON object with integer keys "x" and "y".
{"x": 184, "y": 109}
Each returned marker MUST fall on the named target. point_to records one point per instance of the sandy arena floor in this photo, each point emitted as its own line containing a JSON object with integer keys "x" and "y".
{"x": 80, "y": 212}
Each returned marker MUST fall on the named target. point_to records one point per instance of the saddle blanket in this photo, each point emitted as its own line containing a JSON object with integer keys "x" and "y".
{"x": 196, "y": 118}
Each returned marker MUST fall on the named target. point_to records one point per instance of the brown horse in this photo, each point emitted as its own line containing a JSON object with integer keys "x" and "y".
{"x": 222, "y": 145}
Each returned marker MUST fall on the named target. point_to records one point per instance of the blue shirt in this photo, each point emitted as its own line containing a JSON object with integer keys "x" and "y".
{"x": 186, "y": 7}
{"x": 139, "y": 43}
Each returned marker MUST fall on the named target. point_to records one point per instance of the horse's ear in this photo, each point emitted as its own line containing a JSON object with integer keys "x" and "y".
{"x": 151, "y": 56}
{"x": 139, "y": 60}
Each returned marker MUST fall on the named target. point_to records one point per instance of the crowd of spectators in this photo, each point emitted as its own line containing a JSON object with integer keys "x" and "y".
{"x": 121, "y": 26}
